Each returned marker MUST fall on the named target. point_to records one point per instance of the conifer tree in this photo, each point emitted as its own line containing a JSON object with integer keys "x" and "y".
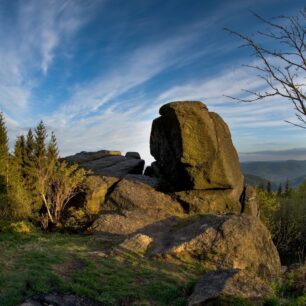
{"x": 279, "y": 190}
{"x": 52, "y": 151}
{"x": 4, "y": 154}
{"x": 29, "y": 149}
{"x": 40, "y": 141}
{"x": 18, "y": 197}
{"x": 287, "y": 189}
{"x": 20, "y": 154}
{"x": 269, "y": 189}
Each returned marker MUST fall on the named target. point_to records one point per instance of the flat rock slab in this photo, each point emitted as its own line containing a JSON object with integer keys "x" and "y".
{"x": 88, "y": 156}
{"x": 58, "y": 299}
{"x": 108, "y": 163}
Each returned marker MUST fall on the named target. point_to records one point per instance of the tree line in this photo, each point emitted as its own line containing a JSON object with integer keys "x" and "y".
{"x": 284, "y": 214}
{"x": 34, "y": 182}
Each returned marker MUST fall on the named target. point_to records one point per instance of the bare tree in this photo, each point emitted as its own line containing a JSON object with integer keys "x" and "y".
{"x": 282, "y": 58}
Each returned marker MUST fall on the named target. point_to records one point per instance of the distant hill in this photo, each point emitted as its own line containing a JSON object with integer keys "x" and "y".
{"x": 275, "y": 171}
{"x": 255, "y": 180}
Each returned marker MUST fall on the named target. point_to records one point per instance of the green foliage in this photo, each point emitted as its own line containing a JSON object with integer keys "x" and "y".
{"x": 20, "y": 227}
{"x": 33, "y": 181}
{"x": 271, "y": 302}
{"x": 65, "y": 182}
{"x": 269, "y": 207}
{"x": 285, "y": 218}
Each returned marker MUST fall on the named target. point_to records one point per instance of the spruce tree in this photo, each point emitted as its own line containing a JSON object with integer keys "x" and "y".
{"x": 287, "y": 189}
{"x": 30, "y": 143}
{"x": 52, "y": 151}
{"x": 4, "y": 154}
{"x": 279, "y": 190}
{"x": 269, "y": 189}
{"x": 18, "y": 196}
{"x": 29, "y": 159}
{"x": 20, "y": 154}
{"x": 40, "y": 141}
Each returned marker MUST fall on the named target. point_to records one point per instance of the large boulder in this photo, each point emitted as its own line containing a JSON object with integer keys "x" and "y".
{"x": 222, "y": 241}
{"x": 134, "y": 204}
{"x": 193, "y": 149}
{"x": 231, "y": 283}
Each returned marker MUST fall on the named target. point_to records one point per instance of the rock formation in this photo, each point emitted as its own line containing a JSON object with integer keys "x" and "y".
{"x": 191, "y": 205}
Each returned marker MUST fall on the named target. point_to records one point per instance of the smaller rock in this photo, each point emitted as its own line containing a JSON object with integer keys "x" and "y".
{"x": 249, "y": 201}
{"x": 228, "y": 283}
{"x": 135, "y": 155}
{"x": 133, "y": 205}
{"x": 137, "y": 244}
{"x": 96, "y": 190}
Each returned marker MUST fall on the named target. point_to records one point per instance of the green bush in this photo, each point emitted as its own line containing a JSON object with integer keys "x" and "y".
{"x": 20, "y": 227}
{"x": 285, "y": 218}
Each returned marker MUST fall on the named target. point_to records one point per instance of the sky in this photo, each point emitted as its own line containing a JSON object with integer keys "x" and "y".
{"x": 97, "y": 71}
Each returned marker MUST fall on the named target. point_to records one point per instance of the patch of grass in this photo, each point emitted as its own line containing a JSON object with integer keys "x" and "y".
{"x": 230, "y": 301}
{"x": 28, "y": 264}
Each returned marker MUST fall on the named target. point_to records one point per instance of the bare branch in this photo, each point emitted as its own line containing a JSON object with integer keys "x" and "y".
{"x": 282, "y": 67}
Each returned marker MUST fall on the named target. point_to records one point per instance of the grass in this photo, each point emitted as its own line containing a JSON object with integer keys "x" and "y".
{"x": 33, "y": 262}
{"x": 39, "y": 262}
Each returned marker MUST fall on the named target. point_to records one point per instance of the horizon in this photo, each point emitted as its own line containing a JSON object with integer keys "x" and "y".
{"x": 97, "y": 71}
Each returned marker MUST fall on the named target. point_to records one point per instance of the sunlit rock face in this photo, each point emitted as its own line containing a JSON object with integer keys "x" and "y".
{"x": 194, "y": 151}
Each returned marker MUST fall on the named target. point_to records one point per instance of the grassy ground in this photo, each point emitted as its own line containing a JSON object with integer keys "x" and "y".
{"x": 37, "y": 262}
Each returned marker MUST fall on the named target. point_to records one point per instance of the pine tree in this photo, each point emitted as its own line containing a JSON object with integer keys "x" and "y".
{"x": 30, "y": 143}
{"x": 280, "y": 190}
{"x": 20, "y": 154}
{"x": 29, "y": 149}
{"x": 52, "y": 151}
{"x": 287, "y": 192}
{"x": 269, "y": 189}
{"x": 19, "y": 204}
{"x": 40, "y": 141}
{"x": 4, "y": 154}
{"x": 29, "y": 173}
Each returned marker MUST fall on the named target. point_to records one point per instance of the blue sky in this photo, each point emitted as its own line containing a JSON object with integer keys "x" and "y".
{"x": 97, "y": 71}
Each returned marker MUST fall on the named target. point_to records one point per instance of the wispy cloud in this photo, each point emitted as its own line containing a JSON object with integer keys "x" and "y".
{"x": 29, "y": 40}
